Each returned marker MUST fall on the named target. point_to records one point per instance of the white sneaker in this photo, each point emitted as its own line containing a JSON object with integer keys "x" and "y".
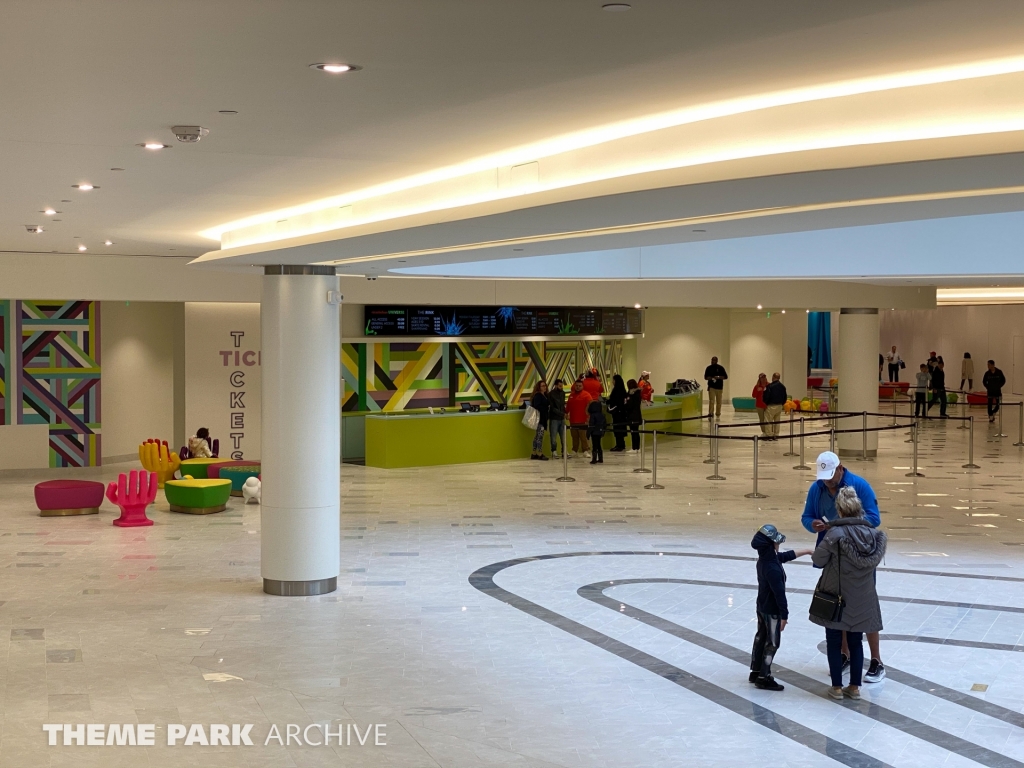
{"x": 586, "y": 454}
{"x": 556, "y": 455}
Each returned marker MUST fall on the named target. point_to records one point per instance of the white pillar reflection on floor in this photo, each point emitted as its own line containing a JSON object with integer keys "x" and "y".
{"x": 857, "y": 369}
{"x": 301, "y": 440}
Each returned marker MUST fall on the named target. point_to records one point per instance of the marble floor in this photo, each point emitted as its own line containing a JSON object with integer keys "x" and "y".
{"x": 490, "y": 616}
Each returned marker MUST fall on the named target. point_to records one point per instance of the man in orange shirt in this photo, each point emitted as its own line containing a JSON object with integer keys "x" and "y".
{"x": 646, "y": 390}
{"x": 592, "y": 384}
{"x": 576, "y": 410}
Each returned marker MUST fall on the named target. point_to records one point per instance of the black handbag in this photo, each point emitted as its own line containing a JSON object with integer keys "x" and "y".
{"x": 825, "y": 605}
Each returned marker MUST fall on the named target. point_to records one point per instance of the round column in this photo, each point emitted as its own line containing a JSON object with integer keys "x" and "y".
{"x": 301, "y": 431}
{"x": 857, "y": 369}
{"x": 794, "y": 353}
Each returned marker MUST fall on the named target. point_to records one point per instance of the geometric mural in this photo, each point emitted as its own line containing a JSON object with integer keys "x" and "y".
{"x": 50, "y": 374}
{"x": 400, "y": 376}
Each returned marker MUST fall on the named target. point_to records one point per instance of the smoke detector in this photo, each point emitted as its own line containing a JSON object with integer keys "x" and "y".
{"x": 35, "y": 229}
{"x": 189, "y": 134}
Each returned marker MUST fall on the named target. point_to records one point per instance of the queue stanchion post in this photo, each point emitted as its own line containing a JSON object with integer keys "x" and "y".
{"x": 714, "y": 453}
{"x": 964, "y": 406}
{"x": 970, "y": 446}
{"x": 913, "y": 435}
{"x": 755, "y": 494}
{"x": 832, "y": 438}
{"x": 790, "y": 452}
{"x": 1020, "y": 424}
{"x": 999, "y": 429}
{"x": 653, "y": 485}
{"x": 642, "y": 469}
{"x": 802, "y": 464}
{"x": 864, "y": 437}
{"x": 565, "y": 460}
{"x": 712, "y": 430}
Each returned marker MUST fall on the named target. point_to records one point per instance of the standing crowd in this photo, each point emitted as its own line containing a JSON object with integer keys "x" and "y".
{"x": 929, "y": 385}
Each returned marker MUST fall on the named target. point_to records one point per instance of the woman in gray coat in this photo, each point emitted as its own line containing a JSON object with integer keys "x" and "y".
{"x": 849, "y": 554}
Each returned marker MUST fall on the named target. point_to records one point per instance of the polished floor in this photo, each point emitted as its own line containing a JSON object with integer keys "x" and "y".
{"x": 490, "y": 616}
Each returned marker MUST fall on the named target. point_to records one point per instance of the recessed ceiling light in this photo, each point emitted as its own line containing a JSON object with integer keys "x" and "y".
{"x": 335, "y": 69}
{"x": 65, "y": 201}
{"x": 49, "y": 212}
{"x": 636, "y": 306}
{"x": 83, "y": 187}
{"x": 783, "y": 311}
{"x": 82, "y": 248}
{"x": 108, "y": 242}
{"x": 759, "y": 306}
{"x": 153, "y": 145}
{"x": 616, "y": 6}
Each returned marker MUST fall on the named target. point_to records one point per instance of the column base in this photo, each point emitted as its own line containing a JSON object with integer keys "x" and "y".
{"x": 300, "y": 588}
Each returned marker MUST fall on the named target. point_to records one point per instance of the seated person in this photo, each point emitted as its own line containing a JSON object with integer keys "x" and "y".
{"x": 199, "y": 445}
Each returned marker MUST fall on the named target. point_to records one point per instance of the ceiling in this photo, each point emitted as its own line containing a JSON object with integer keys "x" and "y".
{"x": 446, "y": 82}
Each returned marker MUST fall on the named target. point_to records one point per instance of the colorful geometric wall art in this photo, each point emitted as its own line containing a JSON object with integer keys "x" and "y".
{"x": 391, "y": 377}
{"x": 50, "y": 374}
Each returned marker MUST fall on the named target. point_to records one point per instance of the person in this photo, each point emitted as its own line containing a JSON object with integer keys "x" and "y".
{"x": 199, "y": 444}
{"x": 939, "y": 388}
{"x": 758, "y": 395}
{"x": 933, "y": 361}
{"x": 633, "y": 412}
{"x": 576, "y": 408}
{"x": 592, "y": 384}
{"x": 848, "y": 555}
{"x": 772, "y": 606}
{"x": 715, "y": 375}
{"x": 881, "y": 365}
{"x": 646, "y": 390}
{"x": 993, "y": 381}
{"x": 774, "y": 401}
{"x": 556, "y": 417}
{"x": 596, "y": 424}
{"x": 923, "y": 382}
{"x": 539, "y": 400}
{"x": 820, "y": 510}
{"x": 967, "y": 372}
{"x": 893, "y": 358}
{"x": 617, "y": 408}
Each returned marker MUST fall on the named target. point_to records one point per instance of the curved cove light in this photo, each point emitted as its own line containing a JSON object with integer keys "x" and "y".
{"x": 480, "y": 180}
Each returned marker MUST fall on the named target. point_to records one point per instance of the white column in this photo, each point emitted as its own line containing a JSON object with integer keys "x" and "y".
{"x": 301, "y": 438}
{"x": 857, "y": 367}
{"x": 794, "y": 353}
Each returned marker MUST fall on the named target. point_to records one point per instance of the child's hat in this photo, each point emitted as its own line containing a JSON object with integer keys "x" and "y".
{"x": 772, "y": 533}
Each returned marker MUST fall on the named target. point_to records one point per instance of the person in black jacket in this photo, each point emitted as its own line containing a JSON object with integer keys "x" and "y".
{"x": 939, "y": 388}
{"x": 993, "y": 382}
{"x": 772, "y": 606}
{"x": 617, "y": 407}
{"x": 556, "y": 416}
{"x": 634, "y": 416}
{"x": 539, "y": 400}
{"x": 774, "y": 397}
{"x": 596, "y": 426}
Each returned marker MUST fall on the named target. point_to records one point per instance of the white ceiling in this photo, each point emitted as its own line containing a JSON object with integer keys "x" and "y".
{"x": 443, "y": 82}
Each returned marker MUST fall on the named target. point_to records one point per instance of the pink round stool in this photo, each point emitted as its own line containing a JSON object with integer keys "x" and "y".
{"x": 69, "y": 497}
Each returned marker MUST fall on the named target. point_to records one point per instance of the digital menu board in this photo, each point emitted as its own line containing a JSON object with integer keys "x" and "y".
{"x": 501, "y": 321}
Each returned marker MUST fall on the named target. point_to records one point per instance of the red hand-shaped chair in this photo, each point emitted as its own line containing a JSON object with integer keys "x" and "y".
{"x": 133, "y": 494}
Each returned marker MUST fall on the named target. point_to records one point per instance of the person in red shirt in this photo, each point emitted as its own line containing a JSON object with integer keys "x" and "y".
{"x": 592, "y": 384}
{"x": 646, "y": 390}
{"x": 576, "y": 410}
{"x": 758, "y": 395}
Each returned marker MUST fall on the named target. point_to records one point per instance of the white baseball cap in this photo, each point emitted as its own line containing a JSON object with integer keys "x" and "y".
{"x": 826, "y": 465}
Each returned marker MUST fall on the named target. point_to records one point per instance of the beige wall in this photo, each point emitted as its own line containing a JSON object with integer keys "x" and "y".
{"x": 138, "y": 361}
{"x": 984, "y": 331}
{"x": 679, "y": 343}
{"x": 755, "y": 347}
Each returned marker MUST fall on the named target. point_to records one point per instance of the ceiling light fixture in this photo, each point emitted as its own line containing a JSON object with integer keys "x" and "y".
{"x": 153, "y": 145}
{"x": 759, "y": 306}
{"x": 227, "y": 111}
{"x": 34, "y": 229}
{"x": 636, "y": 306}
{"x": 108, "y": 242}
{"x": 50, "y": 212}
{"x": 83, "y": 187}
{"x": 117, "y": 169}
{"x": 783, "y": 311}
{"x": 82, "y": 248}
{"x": 335, "y": 69}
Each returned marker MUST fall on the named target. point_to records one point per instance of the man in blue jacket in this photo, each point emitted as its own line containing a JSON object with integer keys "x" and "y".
{"x": 820, "y": 510}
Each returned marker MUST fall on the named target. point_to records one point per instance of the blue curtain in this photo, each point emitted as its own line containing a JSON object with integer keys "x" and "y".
{"x": 819, "y": 338}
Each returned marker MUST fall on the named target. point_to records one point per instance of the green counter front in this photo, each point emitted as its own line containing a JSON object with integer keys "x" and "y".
{"x": 424, "y": 440}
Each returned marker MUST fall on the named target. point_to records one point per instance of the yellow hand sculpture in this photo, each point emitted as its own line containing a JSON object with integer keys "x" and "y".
{"x": 156, "y": 457}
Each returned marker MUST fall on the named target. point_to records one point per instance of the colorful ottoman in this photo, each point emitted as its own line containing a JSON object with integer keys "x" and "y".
{"x": 69, "y": 497}
{"x": 238, "y": 475}
{"x": 213, "y": 471}
{"x": 744, "y": 404}
{"x": 198, "y": 468}
{"x": 197, "y": 497}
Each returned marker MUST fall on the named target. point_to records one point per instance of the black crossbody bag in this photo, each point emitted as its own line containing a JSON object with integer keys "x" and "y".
{"x": 825, "y": 605}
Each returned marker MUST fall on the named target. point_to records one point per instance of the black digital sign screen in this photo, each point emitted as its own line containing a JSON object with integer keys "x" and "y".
{"x": 501, "y": 321}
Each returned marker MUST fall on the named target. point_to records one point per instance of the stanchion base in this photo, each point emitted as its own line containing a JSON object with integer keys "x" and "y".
{"x": 755, "y": 496}
{"x": 644, "y": 471}
{"x": 914, "y": 474}
{"x": 709, "y": 461}
{"x": 654, "y": 487}
{"x": 714, "y": 477}
{"x": 791, "y": 453}
{"x": 969, "y": 466}
{"x": 802, "y": 466}
{"x": 1000, "y": 436}
{"x": 565, "y": 479}
{"x": 1018, "y": 444}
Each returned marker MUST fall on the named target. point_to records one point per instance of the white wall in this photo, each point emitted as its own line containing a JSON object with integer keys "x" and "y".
{"x": 222, "y": 375}
{"x": 984, "y": 331}
{"x": 755, "y": 347}
{"x": 679, "y": 343}
{"x": 138, "y": 361}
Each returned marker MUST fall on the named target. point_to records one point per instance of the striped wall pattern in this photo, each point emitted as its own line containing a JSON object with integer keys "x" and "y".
{"x": 390, "y": 377}
{"x": 50, "y": 374}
